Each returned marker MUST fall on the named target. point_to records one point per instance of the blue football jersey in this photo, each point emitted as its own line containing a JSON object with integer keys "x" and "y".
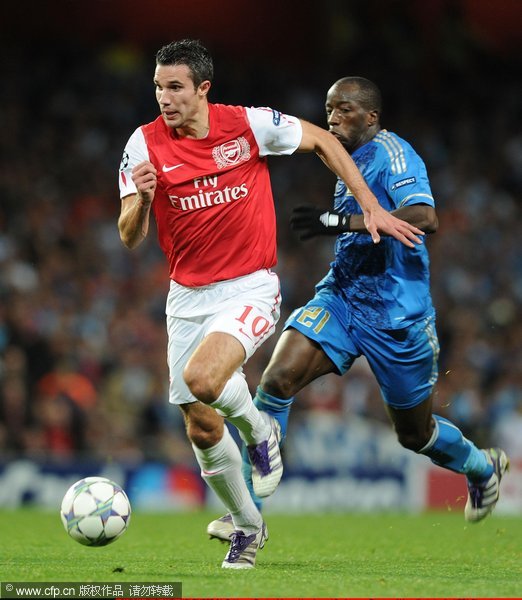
{"x": 387, "y": 284}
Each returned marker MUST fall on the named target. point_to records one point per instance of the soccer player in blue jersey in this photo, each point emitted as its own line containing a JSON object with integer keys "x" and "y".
{"x": 375, "y": 302}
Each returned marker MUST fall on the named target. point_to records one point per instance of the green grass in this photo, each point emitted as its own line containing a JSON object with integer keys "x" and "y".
{"x": 332, "y": 555}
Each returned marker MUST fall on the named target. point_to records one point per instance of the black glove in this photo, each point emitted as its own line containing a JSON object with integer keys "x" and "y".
{"x": 312, "y": 221}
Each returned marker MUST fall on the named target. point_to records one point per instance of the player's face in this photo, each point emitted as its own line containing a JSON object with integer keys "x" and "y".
{"x": 179, "y": 102}
{"x": 347, "y": 119}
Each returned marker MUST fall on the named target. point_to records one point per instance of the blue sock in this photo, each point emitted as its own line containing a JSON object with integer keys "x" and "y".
{"x": 449, "y": 449}
{"x": 279, "y": 408}
{"x": 246, "y": 469}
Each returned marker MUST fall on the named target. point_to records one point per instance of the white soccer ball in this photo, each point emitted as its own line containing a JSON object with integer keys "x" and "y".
{"x": 95, "y": 511}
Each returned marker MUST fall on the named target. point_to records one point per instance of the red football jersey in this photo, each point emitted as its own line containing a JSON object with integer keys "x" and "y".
{"x": 213, "y": 203}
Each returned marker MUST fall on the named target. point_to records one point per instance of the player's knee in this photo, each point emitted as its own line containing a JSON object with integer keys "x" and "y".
{"x": 202, "y": 384}
{"x": 278, "y": 381}
{"x": 413, "y": 440}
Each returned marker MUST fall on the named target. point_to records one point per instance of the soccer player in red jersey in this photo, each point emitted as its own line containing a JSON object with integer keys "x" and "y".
{"x": 201, "y": 168}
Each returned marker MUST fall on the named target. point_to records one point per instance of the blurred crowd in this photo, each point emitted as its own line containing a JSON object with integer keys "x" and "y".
{"x": 82, "y": 328}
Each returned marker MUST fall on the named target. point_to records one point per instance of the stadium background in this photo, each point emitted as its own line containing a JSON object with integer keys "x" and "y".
{"x": 83, "y": 380}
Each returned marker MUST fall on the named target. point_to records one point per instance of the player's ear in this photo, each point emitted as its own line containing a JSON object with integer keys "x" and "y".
{"x": 373, "y": 117}
{"x": 204, "y": 88}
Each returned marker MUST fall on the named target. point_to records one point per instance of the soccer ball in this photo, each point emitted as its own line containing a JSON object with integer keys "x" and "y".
{"x": 95, "y": 511}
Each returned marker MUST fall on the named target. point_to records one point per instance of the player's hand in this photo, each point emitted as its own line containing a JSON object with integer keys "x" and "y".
{"x": 380, "y": 220}
{"x": 144, "y": 176}
{"x": 311, "y": 221}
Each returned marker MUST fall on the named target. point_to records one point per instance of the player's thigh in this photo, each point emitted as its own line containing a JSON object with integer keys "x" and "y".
{"x": 296, "y": 361}
{"x": 184, "y": 337}
{"x": 323, "y": 321}
{"x": 212, "y": 364}
{"x": 245, "y": 310}
{"x": 199, "y": 363}
{"x": 251, "y": 312}
{"x": 404, "y": 361}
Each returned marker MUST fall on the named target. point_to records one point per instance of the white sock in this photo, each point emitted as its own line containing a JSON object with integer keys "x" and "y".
{"x": 221, "y": 470}
{"x": 235, "y": 404}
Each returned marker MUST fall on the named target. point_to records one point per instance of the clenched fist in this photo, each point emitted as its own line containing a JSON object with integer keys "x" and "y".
{"x": 144, "y": 176}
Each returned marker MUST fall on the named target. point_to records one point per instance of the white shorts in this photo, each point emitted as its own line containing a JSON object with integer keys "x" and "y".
{"x": 247, "y": 308}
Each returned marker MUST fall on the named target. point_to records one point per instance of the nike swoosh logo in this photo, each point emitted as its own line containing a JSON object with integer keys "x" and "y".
{"x": 167, "y": 169}
{"x": 213, "y": 472}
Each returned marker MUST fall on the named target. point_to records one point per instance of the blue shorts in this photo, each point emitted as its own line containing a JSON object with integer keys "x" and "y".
{"x": 404, "y": 361}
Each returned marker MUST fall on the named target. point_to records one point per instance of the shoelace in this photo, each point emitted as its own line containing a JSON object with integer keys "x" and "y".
{"x": 239, "y": 541}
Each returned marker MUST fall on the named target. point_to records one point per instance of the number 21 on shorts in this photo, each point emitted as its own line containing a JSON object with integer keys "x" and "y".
{"x": 315, "y": 317}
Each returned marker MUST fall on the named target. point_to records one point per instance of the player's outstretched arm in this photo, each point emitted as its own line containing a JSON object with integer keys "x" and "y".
{"x": 311, "y": 221}
{"x": 376, "y": 218}
{"x": 133, "y": 223}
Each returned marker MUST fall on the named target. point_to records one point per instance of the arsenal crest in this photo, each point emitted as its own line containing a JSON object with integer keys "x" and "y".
{"x": 231, "y": 153}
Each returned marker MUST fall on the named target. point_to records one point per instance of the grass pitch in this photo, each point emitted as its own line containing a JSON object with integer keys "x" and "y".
{"x": 328, "y": 555}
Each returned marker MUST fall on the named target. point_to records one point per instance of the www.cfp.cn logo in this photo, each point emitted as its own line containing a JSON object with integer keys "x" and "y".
{"x": 231, "y": 153}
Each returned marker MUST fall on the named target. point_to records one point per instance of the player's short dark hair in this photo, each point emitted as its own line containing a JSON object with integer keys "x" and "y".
{"x": 191, "y": 53}
{"x": 369, "y": 95}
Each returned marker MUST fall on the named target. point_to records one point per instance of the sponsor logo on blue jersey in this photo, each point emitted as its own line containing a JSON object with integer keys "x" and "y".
{"x": 407, "y": 181}
{"x": 276, "y": 117}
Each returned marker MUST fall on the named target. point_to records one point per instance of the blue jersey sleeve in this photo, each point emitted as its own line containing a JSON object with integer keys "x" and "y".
{"x": 402, "y": 172}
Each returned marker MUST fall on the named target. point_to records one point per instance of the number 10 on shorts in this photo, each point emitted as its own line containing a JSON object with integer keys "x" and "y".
{"x": 254, "y": 323}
